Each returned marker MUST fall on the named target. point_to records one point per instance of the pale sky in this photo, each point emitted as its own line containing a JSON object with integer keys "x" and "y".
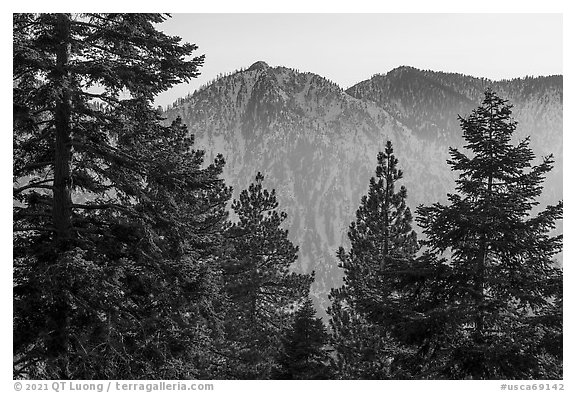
{"x": 349, "y": 48}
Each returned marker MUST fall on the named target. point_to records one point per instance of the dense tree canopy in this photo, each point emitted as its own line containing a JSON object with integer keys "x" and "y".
{"x": 117, "y": 224}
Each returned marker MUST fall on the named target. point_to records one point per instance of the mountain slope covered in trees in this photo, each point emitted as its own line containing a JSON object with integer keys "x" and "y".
{"x": 429, "y": 102}
{"x": 317, "y": 144}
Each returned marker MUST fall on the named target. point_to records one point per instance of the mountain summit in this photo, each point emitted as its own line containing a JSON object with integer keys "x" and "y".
{"x": 259, "y": 65}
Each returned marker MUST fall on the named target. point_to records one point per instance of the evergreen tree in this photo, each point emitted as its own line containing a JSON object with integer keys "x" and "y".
{"x": 303, "y": 354}
{"x": 367, "y": 310}
{"x": 117, "y": 226}
{"x": 501, "y": 289}
{"x": 261, "y": 288}
{"x": 362, "y": 350}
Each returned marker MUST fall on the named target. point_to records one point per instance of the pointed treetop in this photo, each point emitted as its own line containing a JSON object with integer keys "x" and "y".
{"x": 259, "y": 178}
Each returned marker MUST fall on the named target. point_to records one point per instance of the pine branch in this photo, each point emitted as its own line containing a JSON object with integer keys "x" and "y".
{"x": 41, "y": 229}
{"x": 38, "y": 184}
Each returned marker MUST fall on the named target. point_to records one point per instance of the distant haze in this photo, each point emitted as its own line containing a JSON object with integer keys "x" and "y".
{"x": 349, "y": 48}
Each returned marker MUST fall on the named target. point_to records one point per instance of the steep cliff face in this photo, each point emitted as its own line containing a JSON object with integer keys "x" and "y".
{"x": 317, "y": 144}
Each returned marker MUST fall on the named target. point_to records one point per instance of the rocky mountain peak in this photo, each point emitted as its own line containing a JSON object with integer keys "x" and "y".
{"x": 259, "y": 65}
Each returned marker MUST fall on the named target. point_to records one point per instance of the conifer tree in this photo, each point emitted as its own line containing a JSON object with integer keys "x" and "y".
{"x": 117, "y": 225}
{"x": 259, "y": 283}
{"x": 367, "y": 308}
{"x": 303, "y": 354}
{"x": 501, "y": 288}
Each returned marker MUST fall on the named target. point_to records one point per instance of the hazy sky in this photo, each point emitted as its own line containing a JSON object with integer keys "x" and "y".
{"x": 349, "y": 48}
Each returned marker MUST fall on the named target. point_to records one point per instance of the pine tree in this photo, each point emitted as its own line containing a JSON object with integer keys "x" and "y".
{"x": 501, "y": 289}
{"x": 370, "y": 305}
{"x": 261, "y": 288}
{"x": 303, "y": 354}
{"x": 117, "y": 226}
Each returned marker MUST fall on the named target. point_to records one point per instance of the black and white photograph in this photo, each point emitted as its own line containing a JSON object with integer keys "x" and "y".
{"x": 287, "y": 196}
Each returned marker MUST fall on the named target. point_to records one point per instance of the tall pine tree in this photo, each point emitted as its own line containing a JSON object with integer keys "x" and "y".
{"x": 261, "y": 287}
{"x": 368, "y": 308}
{"x": 501, "y": 289}
{"x": 117, "y": 224}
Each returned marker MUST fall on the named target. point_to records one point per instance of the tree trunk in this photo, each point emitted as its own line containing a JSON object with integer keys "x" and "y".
{"x": 62, "y": 201}
{"x": 482, "y": 258}
{"x": 57, "y": 315}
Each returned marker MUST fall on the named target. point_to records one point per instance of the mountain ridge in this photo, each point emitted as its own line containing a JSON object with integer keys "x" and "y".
{"x": 260, "y": 64}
